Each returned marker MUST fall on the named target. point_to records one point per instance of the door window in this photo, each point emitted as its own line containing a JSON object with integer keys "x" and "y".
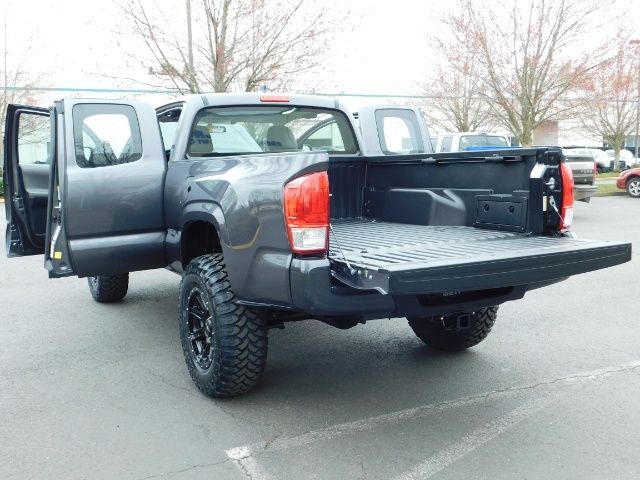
{"x": 33, "y": 139}
{"x": 326, "y": 137}
{"x": 446, "y": 144}
{"x": 106, "y": 135}
{"x": 168, "y": 121}
{"x": 398, "y": 131}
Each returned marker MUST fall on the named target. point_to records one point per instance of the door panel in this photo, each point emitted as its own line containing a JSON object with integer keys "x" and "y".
{"x": 26, "y": 178}
{"x": 111, "y": 166}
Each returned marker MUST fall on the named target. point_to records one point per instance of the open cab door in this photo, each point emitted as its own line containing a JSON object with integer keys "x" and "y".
{"x": 103, "y": 210}
{"x": 27, "y": 158}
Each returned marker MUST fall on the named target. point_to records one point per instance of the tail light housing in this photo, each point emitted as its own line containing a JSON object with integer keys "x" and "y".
{"x": 306, "y": 209}
{"x": 566, "y": 212}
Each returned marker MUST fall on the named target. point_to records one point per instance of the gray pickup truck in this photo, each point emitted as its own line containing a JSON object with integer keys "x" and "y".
{"x": 280, "y": 208}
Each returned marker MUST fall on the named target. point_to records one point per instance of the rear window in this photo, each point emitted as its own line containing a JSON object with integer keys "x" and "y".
{"x": 579, "y": 158}
{"x": 222, "y": 131}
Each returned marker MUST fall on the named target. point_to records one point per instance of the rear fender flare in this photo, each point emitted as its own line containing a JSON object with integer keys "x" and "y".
{"x": 207, "y": 212}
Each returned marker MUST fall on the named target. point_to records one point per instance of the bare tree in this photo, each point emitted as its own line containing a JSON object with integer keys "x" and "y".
{"x": 534, "y": 53}
{"x": 18, "y": 83}
{"x": 456, "y": 91}
{"x": 607, "y": 107}
{"x": 231, "y": 45}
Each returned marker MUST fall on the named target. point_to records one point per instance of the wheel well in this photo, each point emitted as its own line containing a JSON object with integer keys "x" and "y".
{"x": 632, "y": 177}
{"x": 198, "y": 238}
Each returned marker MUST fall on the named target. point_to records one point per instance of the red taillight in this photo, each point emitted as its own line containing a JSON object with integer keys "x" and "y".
{"x": 595, "y": 171}
{"x": 566, "y": 212}
{"x": 274, "y": 98}
{"x": 306, "y": 210}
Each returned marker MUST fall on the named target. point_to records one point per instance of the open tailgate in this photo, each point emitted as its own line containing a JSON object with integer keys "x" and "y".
{"x": 401, "y": 259}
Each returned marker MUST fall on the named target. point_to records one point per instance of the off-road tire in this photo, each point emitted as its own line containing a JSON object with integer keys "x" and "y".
{"x": 443, "y": 333}
{"x": 633, "y": 187}
{"x": 109, "y": 288}
{"x": 224, "y": 343}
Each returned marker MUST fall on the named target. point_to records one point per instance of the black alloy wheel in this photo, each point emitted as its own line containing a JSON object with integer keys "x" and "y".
{"x": 224, "y": 343}
{"x": 200, "y": 326}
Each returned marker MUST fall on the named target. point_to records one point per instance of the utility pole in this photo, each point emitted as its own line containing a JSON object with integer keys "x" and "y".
{"x": 190, "y": 47}
{"x": 637, "y": 44}
{"x": 5, "y": 66}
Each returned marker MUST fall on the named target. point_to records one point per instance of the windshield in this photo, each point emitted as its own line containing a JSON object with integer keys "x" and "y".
{"x": 467, "y": 141}
{"x": 598, "y": 153}
{"x": 623, "y": 153}
{"x": 266, "y": 128}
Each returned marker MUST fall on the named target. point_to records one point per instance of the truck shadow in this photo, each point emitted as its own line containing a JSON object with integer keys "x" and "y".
{"x": 379, "y": 365}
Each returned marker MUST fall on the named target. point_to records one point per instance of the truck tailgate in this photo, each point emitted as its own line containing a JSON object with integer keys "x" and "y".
{"x": 398, "y": 258}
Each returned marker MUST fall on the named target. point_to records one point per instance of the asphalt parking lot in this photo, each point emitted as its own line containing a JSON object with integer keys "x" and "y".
{"x": 101, "y": 391}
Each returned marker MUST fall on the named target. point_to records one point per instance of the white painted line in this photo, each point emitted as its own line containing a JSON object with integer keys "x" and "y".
{"x": 470, "y": 442}
{"x": 286, "y": 443}
{"x": 244, "y": 456}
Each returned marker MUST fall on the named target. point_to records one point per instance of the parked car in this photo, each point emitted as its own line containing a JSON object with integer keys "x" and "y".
{"x": 629, "y": 180}
{"x": 603, "y": 161}
{"x": 626, "y": 158}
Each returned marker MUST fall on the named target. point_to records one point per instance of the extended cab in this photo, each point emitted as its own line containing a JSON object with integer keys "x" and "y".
{"x": 278, "y": 208}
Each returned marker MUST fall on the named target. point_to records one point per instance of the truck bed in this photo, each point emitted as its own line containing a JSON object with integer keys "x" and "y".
{"x": 396, "y": 258}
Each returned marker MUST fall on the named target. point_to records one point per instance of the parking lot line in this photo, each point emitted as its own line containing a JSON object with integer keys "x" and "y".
{"x": 479, "y": 437}
{"x": 245, "y": 457}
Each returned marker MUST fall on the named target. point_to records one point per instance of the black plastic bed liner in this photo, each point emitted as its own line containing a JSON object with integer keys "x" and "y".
{"x": 396, "y": 258}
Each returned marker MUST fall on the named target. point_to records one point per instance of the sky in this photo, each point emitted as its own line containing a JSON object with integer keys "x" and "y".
{"x": 380, "y": 50}
{"x": 374, "y": 54}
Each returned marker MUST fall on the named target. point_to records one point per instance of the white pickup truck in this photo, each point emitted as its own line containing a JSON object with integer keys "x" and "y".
{"x": 468, "y": 141}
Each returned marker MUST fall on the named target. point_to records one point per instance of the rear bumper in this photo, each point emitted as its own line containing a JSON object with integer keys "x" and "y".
{"x": 583, "y": 193}
{"x": 314, "y": 293}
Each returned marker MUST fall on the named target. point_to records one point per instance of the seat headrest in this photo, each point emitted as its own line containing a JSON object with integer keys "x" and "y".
{"x": 281, "y": 139}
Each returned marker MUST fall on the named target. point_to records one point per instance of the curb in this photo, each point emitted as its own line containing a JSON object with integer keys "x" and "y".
{"x": 611, "y": 194}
